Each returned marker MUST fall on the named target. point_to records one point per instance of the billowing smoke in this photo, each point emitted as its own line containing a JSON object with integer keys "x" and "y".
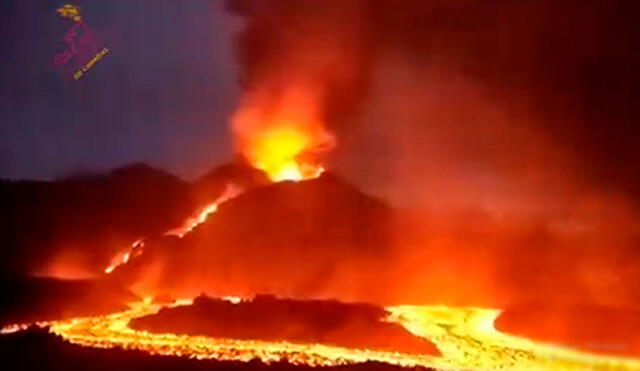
{"x": 305, "y": 45}
{"x": 500, "y": 133}
{"x": 505, "y": 127}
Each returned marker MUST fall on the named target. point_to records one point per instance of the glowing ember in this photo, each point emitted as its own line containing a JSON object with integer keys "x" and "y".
{"x": 465, "y": 337}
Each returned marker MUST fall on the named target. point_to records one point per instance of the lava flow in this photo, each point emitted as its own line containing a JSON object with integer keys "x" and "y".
{"x": 189, "y": 224}
{"x": 280, "y": 146}
{"x": 465, "y": 337}
{"x": 113, "y": 331}
{"x": 201, "y": 216}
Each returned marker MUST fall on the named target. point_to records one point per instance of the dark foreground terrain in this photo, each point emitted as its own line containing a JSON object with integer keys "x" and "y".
{"x": 28, "y": 299}
{"x": 39, "y": 350}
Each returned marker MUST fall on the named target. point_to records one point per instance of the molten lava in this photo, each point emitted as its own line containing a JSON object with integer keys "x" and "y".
{"x": 190, "y": 224}
{"x": 124, "y": 257}
{"x": 276, "y": 152}
{"x": 281, "y": 138}
{"x": 231, "y": 191}
{"x": 281, "y": 141}
{"x": 466, "y": 338}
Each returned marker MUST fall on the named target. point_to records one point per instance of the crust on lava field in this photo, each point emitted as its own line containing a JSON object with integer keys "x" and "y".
{"x": 297, "y": 321}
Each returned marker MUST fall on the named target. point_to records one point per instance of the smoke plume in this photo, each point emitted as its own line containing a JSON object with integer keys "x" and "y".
{"x": 506, "y": 129}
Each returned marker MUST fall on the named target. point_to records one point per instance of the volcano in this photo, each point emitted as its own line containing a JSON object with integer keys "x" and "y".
{"x": 314, "y": 248}
{"x": 294, "y": 239}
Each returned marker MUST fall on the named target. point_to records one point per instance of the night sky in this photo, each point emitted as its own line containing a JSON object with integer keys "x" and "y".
{"x": 472, "y": 98}
{"x": 163, "y": 96}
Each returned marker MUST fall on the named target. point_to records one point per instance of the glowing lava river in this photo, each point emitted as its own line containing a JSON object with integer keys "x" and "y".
{"x": 465, "y": 337}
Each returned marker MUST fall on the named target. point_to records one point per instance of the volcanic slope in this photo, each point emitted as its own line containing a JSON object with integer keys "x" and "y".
{"x": 317, "y": 238}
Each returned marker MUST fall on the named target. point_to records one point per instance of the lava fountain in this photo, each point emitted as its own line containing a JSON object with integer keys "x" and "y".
{"x": 281, "y": 136}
